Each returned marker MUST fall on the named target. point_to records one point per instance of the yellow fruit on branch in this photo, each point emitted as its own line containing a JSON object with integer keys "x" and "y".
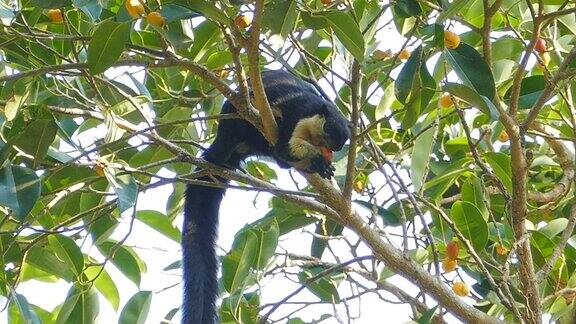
{"x": 445, "y": 101}
{"x": 503, "y": 137}
{"x": 449, "y": 265}
{"x": 55, "y": 15}
{"x": 452, "y": 250}
{"x": 451, "y": 39}
{"x": 460, "y": 289}
{"x": 404, "y": 54}
{"x": 155, "y": 18}
{"x": 135, "y": 8}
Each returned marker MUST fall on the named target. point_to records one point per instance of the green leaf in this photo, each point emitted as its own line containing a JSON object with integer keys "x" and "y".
{"x": 324, "y": 287}
{"x": 126, "y": 189}
{"x": 427, "y": 316}
{"x": 280, "y": 16}
{"x": 472, "y": 69}
{"x": 500, "y": 163}
{"x": 51, "y": 4}
{"x": 470, "y": 95}
{"x": 67, "y": 251}
{"x": 530, "y": 90}
{"x": 106, "y": 45}
{"x": 407, "y": 8}
{"x": 236, "y": 264}
{"x": 326, "y": 228}
{"x": 125, "y": 259}
{"x": 136, "y": 309}
{"x": 19, "y": 189}
{"x": 388, "y": 217}
{"x": 470, "y": 223}
{"x": 268, "y": 235}
{"x": 159, "y": 222}
{"x": 20, "y": 310}
{"x": 36, "y": 138}
{"x": 347, "y": 32}
{"x": 172, "y": 12}
{"x": 472, "y": 192}
{"x": 452, "y": 10}
{"x": 45, "y": 260}
{"x": 421, "y": 154}
{"x": 81, "y": 305}
{"x": 104, "y": 283}
{"x": 405, "y": 80}
{"x": 207, "y": 9}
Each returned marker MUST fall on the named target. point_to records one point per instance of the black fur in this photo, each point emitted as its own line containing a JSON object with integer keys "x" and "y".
{"x": 235, "y": 140}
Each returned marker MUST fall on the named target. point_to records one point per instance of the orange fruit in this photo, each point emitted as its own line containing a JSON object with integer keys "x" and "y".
{"x": 451, "y": 39}
{"x": 135, "y": 8}
{"x": 540, "y": 45}
{"x": 155, "y": 18}
{"x": 404, "y": 54}
{"x": 449, "y": 265}
{"x": 326, "y": 2}
{"x": 452, "y": 250}
{"x": 501, "y": 250}
{"x": 460, "y": 289}
{"x": 503, "y": 137}
{"x": 242, "y": 21}
{"x": 445, "y": 101}
{"x": 55, "y": 15}
{"x": 99, "y": 169}
{"x": 221, "y": 73}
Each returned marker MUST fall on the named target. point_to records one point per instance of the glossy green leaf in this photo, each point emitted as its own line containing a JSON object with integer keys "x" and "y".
{"x": 107, "y": 44}
{"x": 36, "y": 138}
{"x": 51, "y": 4}
{"x": 470, "y": 222}
{"x": 159, "y": 222}
{"x": 500, "y": 163}
{"x": 325, "y": 228}
{"x": 453, "y": 9}
{"x": 19, "y": 189}
{"x": 104, "y": 284}
{"x": 469, "y": 95}
{"x": 125, "y": 259}
{"x": 172, "y": 12}
{"x": 472, "y": 69}
{"x": 268, "y": 234}
{"x": 421, "y": 154}
{"x": 127, "y": 191}
{"x": 20, "y": 311}
{"x": 389, "y": 218}
{"x": 347, "y": 32}
{"x": 324, "y": 287}
{"x": 473, "y": 193}
{"x": 530, "y": 90}
{"x": 207, "y": 9}
{"x": 81, "y": 305}
{"x": 68, "y": 251}
{"x": 427, "y": 316}
{"x": 236, "y": 264}
{"x": 47, "y": 261}
{"x": 136, "y": 309}
{"x": 407, "y": 8}
{"x": 280, "y": 16}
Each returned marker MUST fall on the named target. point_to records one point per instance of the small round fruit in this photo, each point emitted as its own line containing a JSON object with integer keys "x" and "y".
{"x": 382, "y": 55}
{"x": 155, "y": 18}
{"x": 404, "y": 54}
{"x": 501, "y": 250}
{"x": 460, "y": 289}
{"x": 55, "y": 16}
{"x": 135, "y": 8}
{"x": 503, "y": 137}
{"x": 326, "y": 153}
{"x": 242, "y": 21}
{"x": 221, "y": 73}
{"x": 326, "y": 2}
{"x": 452, "y": 250}
{"x": 544, "y": 59}
{"x": 449, "y": 265}
{"x": 451, "y": 39}
{"x": 445, "y": 101}
{"x": 358, "y": 186}
{"x": 540, "y": 45}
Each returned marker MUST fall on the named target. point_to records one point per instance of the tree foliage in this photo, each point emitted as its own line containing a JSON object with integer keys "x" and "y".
{"x": 461, "y": 168}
